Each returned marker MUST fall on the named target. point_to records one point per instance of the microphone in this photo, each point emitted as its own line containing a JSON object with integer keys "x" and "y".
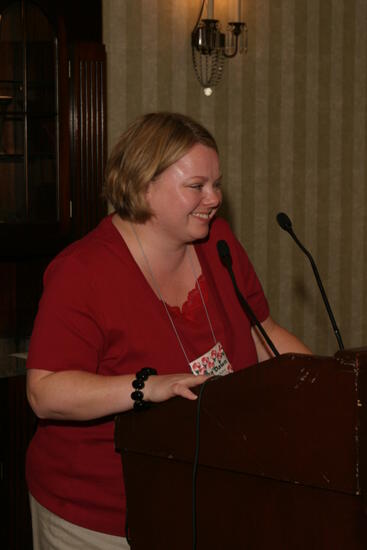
{"x": 226, "y": 259}
{"x": 285, "y": 223}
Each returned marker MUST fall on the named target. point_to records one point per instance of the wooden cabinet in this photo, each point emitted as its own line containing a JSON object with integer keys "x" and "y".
{"x": 34, "y": 187}
{"x": 29, "y": 116}
{"x": 52, "y": 159}
{"x": 52, "y": 130}
{"x": 52, "y": 141}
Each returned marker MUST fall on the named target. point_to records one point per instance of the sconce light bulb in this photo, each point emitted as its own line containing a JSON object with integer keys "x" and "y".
{"x": 208, "y": 91}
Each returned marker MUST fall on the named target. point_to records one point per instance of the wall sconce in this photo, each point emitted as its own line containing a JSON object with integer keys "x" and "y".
{"x": 211, "y": 47}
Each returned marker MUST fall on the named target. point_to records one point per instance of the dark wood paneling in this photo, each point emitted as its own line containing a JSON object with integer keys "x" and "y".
{"x": 88, "y": 134}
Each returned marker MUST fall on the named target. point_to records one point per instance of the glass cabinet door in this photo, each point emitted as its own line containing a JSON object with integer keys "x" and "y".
{"x": 29, "y": 121}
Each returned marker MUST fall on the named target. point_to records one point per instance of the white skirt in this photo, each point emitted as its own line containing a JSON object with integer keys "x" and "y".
{"x": 50, "y": 532}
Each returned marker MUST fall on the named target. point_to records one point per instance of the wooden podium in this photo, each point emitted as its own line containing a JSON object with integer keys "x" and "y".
{"x": 282, "y": 460}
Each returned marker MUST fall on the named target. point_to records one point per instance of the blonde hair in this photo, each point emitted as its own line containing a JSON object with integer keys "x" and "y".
{"x": 149, "y": 145}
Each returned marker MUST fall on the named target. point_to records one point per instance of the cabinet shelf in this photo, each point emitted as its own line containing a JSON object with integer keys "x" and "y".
{"x": 17, "y": 115}
{"x": 41, "y": 156}
{"x": 4, "y": 157}
{"x": 31, "y": 83}
{"x": 13, "y": 81}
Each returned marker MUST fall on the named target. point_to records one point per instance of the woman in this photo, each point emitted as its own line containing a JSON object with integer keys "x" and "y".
{"x": 144, "y": 289}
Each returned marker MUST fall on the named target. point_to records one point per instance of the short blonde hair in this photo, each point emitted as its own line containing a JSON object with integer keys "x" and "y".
{"x": 149, "y": 145}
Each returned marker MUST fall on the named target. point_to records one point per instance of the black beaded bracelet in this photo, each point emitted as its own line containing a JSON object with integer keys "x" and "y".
{"x": 138, "y": 384}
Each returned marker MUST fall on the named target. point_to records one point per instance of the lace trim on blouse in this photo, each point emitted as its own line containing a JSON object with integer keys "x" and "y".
{"x": 192, "y": 308}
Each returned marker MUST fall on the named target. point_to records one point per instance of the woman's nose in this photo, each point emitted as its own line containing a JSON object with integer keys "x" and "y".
{"x": 213, "y": 196}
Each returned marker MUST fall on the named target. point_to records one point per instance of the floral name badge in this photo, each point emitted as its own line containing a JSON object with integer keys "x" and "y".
{"x": 214, "y": 362}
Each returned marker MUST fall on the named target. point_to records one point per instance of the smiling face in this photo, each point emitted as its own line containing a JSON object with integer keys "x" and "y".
{"x": 186, "y": 196}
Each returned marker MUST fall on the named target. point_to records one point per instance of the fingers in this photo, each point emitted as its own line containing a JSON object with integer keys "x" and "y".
{"x": 185, "y": 392}
{"x": 183, "y": 389}
{"x": 199, "y": 379}
{"x": 161, "y": 388}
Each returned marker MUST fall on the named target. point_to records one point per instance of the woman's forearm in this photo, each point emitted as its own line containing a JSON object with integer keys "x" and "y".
{"x": 77, "y": 395}
{"x": 80, "y": 395}
{"x": 284, "y": 341}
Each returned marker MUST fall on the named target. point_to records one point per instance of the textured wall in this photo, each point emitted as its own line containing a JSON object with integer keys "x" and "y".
{"x": 290, "y": 120}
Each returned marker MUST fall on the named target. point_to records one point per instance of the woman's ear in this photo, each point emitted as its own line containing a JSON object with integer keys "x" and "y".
{"x": 148, "y": 192}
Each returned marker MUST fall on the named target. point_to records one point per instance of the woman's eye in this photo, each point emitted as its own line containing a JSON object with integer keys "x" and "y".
{"x": 196, "y": 186}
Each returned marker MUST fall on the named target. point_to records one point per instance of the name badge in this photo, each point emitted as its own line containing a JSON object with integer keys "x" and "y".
{"x": 214, "y": 362}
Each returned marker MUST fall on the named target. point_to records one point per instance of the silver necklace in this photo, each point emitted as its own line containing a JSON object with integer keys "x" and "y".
{"x": 158, "y": 292}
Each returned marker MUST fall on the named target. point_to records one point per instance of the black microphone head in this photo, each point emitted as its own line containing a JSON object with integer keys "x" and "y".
{"x": 284, "y": 222}
{"x": 224, "y": 253}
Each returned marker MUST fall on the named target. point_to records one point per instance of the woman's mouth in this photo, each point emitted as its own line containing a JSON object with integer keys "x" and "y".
{"x": 202, "y": 215}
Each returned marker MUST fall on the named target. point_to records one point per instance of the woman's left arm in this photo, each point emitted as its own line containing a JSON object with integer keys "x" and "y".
{"x": 283, "y": 340}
